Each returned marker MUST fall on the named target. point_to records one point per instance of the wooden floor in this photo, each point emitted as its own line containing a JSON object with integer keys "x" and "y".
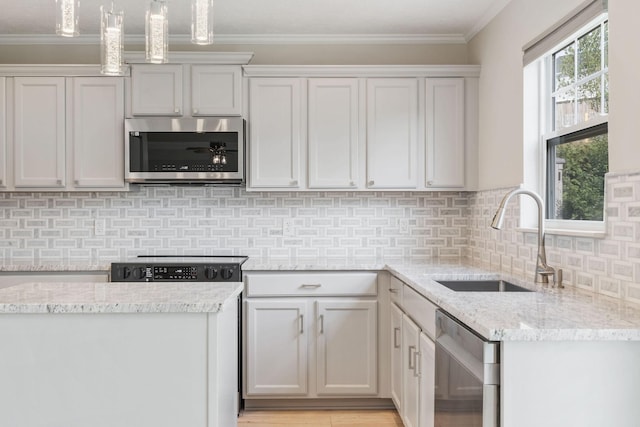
{"x": 332, "y": 418}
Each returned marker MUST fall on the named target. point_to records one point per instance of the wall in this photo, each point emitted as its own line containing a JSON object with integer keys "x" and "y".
{"x": 316, "y": 54}
{"x": 194, "y": 220}
{"x": 498, "y": 49}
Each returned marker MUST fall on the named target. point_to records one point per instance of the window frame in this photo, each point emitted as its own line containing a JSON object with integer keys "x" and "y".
{"x": 547, "y": 122}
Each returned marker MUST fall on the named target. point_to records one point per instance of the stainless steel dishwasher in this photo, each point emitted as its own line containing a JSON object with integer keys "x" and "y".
{"x": 467, "y": 376}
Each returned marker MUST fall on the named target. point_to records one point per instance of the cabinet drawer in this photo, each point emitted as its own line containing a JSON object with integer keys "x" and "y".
{"x": 421, "y": 310}
{"x": 395, "y": 290}
{"x": 311, "y": 284}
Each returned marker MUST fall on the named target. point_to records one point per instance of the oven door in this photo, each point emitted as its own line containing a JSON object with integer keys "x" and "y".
{"x": 467, "y": 377}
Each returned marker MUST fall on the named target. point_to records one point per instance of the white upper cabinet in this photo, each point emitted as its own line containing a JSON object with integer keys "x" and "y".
{"x": 216, "y": 90}
{"x": 66, "y": 133}
{"x": 333, "y": 133}
{"x": 4, "y": 160}
{"x": 185, "y": 90}
{"x": 96, "y": 120}
{"x": 445, "y": 132}
{"x": 39, "y": 132}
{"x": 156, "y": 90}
{"x": 275, "y": 132}
{"x": 392, "y": 133}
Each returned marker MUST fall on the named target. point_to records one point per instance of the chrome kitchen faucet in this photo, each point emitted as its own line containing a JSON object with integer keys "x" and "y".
{"x": 543, "y": 270}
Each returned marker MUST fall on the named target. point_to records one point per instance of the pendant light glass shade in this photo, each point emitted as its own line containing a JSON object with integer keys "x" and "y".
{"x": 156, "y": 32}
{"x": 67, "y": 17}
{"x": 202, "y": 21}
{"x": 111, "y": 36}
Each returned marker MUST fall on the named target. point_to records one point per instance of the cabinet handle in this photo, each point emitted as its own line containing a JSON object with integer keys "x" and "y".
{"x": 393, "y": 291}
{"x": 0, "y": 182}
{"x": 396, "y": 343}
{"x": 322, "y": 323}
{"x": 412, "y": 349}
{"x": 416, "y": 364}
{"x": 302, "y": 323}
{"x": 311, "y": 285}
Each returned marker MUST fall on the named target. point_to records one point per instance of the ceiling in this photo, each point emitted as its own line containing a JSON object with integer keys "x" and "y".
{"x": 271, "y": 21}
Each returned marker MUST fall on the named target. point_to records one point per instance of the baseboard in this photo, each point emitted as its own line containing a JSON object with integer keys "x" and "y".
{"x": 337, "y": 403}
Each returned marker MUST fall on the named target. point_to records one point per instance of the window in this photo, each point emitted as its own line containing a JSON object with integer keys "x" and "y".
{"x": 576, "y": 104}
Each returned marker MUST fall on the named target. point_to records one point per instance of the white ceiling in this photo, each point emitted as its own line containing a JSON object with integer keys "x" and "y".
{"x": 268, "y": 21}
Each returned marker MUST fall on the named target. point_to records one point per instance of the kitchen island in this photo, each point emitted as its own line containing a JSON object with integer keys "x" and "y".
{"x": 119, "y": 354}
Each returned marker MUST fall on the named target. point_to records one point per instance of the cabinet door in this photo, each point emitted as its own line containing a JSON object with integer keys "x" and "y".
{"x": 276, "y": 347}
{"x": 427, "y": 372}
{"x": 4, "y": 162}
{"x": 397, "y": 371}
{"x": 392, "y": 128}
{"x": 333, "y": 133}
{"x": 275, "y": 132}
{"x": 156, "y": 90}
{"x": 216, "y": 89}
{"x": 347, "y": 347}
{"x": 39, "y": 132}
{"x": 411, "y": 383}
{"x": 445, "y": 133}
{"x": 96, "y": 119}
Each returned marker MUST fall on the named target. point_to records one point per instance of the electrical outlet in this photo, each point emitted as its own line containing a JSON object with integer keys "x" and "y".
{"x": 403, "y": 225}
{"x": 287, "y": 227}
{"x": 99, "y": 227}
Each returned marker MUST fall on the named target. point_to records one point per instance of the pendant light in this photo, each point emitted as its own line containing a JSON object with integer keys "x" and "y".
{"x": 67, "y": 17}
{"x": 202, "y": 22}
{"x": 156, "y": 32}
{"x": 111, "y": 36}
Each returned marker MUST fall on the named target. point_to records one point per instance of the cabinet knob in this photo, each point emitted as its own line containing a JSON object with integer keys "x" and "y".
{"x": 176, "y": 110}
{"x": 195, "y": 111}
{"x": 59, "y": 182}
{"x": 372, "y": 182}
{"x": 294, "y": 183}
{"x": 429, "y": 183}
{"x": 76, "y": 182}
{"x": 352, "y": 184}
{"x": 0, "y": 182}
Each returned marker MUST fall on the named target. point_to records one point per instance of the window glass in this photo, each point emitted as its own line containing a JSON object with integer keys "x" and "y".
{"x": 589, "y": 54}
{"x": 576, "y": 167}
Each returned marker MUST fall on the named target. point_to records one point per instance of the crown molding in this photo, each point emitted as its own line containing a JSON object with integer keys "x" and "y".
{"x": 260, "y": 39}
{"x": 177, "y": 57}
{"x": 361, "y": 70}
{"x": 495, "y": 8}
{"x": 44, "y": 70}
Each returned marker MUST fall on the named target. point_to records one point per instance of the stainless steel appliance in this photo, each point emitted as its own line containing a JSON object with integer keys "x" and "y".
{"x": 164, "y": 150}
{"x": 467, "y": 376}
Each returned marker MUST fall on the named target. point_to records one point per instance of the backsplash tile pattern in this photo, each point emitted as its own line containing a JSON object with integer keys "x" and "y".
{"x": 213, "y": 220}
{"x": 609, "y": 265}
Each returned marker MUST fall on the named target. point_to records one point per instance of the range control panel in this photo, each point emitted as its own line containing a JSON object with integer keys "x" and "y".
{"x": 175, "y": 272}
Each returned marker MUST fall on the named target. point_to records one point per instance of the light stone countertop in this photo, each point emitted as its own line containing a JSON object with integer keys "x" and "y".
{"x": 120, "y": 297}
{"x": 547, "y": 314}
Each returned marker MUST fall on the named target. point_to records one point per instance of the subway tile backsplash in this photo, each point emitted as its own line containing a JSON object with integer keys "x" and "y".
{"x": 214, "y": 220}
{"x": 609, "y": 265}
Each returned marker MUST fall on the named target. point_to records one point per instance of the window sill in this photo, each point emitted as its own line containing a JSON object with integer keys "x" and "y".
{"x": 570, "y": 233}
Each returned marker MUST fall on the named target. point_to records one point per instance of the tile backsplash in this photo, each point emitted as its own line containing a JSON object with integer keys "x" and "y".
{"x": 609, "y": 265}
{"x": 214, "y": 220}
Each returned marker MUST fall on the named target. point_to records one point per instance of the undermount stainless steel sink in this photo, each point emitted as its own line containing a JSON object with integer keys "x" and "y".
{"x": 482, "y": 286}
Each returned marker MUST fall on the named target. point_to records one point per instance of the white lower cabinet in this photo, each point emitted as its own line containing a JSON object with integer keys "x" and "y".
{"x": 300, "y": 345}
{"x": 413, "y": 358}
{"x": 276, "y": 347}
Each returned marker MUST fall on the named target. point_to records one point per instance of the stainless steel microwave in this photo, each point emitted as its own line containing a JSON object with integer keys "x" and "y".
{"x": 164, "y": 150}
